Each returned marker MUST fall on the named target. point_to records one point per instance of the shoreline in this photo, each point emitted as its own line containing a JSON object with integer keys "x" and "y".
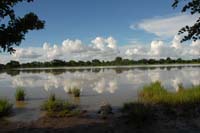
{"x": 87, "y": 124}
{"x": 120, "y": 66}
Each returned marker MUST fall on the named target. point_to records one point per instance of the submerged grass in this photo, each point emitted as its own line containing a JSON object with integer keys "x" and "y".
{"x": 5, "y": 107}
{"x": 59, "y": 108}
{"x": 20, "y": 94}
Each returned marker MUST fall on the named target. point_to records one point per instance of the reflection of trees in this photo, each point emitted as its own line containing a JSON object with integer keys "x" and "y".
{"x": 119, "y": 70}
{"x": 13, "y": 72}
{"x": 96, "y": 70}
{"x": 59, "y": 71}
{"x": 168, "y": 68}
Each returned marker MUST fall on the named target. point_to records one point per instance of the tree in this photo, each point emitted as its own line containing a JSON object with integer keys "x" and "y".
{"x": 193, "y": 32}
{"x": 96, "y": 62}
{"x": 13, "y": 32}
{"x": 13, "y": 64}
{"x": 118, "y": 59}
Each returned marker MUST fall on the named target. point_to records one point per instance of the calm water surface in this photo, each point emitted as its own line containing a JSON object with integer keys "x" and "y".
{"x": 114, "y": 85}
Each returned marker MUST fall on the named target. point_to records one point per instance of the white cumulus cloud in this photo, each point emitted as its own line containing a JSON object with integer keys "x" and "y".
{"x": 106, "y": 49}
{"x": 165, "y": 26}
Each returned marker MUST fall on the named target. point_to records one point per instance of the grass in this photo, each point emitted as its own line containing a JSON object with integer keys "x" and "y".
{"x": 59, "y": 108}
{"x": 155, "y": 93}
{"x": 70, "y": 91}
{"x": 155, "y": 102}
{"x": 75, "y": 91}
{"x": 5, "y": 107}
{"x": 20, "y": 94}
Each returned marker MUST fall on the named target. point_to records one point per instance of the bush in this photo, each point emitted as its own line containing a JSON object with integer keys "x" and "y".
{"x": 5, "y": 107}
{"x": 58, "y": 108}
{"x": 20, "y": 94}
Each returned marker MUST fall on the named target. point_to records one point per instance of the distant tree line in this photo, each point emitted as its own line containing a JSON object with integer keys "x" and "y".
{"x": 116, "y": 62}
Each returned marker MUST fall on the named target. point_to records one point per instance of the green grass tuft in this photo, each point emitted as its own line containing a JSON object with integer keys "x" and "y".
{"x": 75, "y": 91}
{"x": 52, "y": 97}
{"x": 5, "y": 107}
{"x": 58, "y": 108}
{"x": 20, "y": 94}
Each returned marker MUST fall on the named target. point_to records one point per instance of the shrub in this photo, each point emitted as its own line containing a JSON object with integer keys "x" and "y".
{"x": 20, "y": 94}
{"x": 5, "y": 107}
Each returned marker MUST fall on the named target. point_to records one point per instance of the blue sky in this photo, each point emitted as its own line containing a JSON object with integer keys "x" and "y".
{"x": 104, "y": 29}
{"x": 86, "y": 19}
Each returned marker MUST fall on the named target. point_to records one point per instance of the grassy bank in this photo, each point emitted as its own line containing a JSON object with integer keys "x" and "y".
{"x": 155, "y": 102}
{"x": 155, "y": 93}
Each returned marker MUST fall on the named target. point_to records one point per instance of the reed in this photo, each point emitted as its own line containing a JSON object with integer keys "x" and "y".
{"x": 20, "y": 94}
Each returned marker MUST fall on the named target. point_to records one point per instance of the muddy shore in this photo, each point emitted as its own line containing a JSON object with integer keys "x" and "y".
{"x": 90, "y": 124}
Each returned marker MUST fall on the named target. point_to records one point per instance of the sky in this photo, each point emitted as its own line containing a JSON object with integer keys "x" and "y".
{"x": 104, "y": 29}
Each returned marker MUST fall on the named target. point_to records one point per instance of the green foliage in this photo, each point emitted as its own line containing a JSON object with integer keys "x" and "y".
{"x": 193, "y": 32}
{"x": 13, "y": 64}
{"x": 13, "y": 32}
{"x": 96, "y": 62}
{"x": 20, "y": 94}
{"x": 5, "y": 107}
{"x": 58, "y": 108}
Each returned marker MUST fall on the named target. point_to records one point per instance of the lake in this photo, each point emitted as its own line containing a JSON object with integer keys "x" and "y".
{"x": 114, "y": 85}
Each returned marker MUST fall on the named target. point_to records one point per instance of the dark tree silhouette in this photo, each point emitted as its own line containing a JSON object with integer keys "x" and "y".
{"x": 193, "y": 32}
{"x": 13, "y": 32}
